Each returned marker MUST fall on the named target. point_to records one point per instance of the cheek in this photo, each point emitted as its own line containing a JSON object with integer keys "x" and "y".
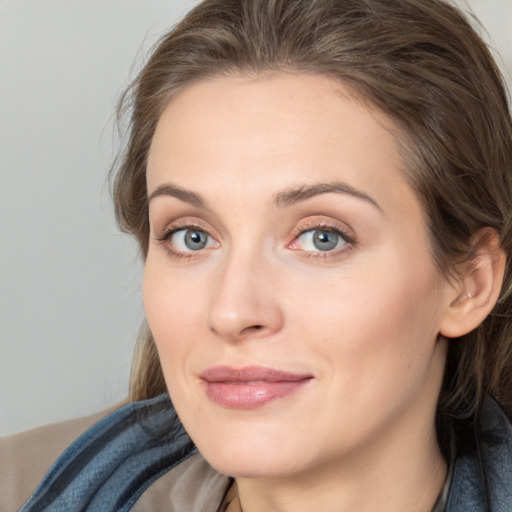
{"x": 171, "y": 304}
{"x": 377, "y": 322}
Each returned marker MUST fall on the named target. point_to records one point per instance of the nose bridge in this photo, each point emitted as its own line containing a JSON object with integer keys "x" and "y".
{"x": 244, "y": 302}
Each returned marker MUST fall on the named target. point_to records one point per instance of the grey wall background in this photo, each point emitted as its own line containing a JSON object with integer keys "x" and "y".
{"x": 70, "y": 300}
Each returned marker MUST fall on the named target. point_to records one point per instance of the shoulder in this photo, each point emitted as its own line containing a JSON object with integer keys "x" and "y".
{"x": 193, "y": 485}
{"x": 27, "y": 456}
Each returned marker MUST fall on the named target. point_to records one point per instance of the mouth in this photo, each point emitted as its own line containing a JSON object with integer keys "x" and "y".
{"x": 251, "y": 386}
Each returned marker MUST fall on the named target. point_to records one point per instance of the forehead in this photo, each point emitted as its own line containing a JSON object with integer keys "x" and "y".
{"x": 244, "y": 132}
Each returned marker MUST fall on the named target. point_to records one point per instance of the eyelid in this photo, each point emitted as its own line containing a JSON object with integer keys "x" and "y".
{"x": 325, "y": 225}
{"x": 166, "y": 230}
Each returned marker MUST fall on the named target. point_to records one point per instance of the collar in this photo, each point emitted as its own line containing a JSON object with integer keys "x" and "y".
{"x": 482, "y": 474}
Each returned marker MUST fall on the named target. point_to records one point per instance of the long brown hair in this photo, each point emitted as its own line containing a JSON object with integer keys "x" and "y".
{"x": 418, "y": 61}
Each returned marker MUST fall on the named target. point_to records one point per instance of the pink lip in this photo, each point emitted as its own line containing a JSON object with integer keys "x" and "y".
{"x": 251, "y": 386}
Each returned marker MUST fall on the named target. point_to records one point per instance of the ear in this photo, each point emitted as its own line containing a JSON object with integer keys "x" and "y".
{"x": 478, "y": 288}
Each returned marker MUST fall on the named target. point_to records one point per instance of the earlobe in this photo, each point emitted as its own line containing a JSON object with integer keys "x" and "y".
{"x": 478, "y": 288}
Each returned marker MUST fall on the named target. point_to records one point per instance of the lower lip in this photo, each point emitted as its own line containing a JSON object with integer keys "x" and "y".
{"x": 244, "y": 395}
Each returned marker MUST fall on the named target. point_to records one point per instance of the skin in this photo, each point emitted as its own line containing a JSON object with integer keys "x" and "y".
{"x": 362, "y": 319}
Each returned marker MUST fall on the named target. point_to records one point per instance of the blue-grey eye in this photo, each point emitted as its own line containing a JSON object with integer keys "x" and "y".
{"x": 196, "y": 240}
{"x": 186, "y": 240}
{"x": 325, "y": 240}
{"x": 321, "y": 240}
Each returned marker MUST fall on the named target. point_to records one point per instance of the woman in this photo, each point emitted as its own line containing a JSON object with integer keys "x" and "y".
{"x": 321, "y": 191}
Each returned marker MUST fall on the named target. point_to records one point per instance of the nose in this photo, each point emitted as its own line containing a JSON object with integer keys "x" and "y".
{"x": 245, "y": 301}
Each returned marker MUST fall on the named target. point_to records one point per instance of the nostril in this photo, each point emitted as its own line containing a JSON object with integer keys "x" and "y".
{"x": 255, "y": 327}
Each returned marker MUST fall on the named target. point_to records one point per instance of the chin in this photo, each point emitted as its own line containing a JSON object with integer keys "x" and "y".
{"x": 253, "y": 460}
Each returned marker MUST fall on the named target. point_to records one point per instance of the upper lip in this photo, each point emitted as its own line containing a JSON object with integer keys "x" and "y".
{"x": 250, "y": 374}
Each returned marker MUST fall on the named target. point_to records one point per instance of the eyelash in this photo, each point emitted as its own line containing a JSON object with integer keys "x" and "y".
{"x": 314, "y": 226}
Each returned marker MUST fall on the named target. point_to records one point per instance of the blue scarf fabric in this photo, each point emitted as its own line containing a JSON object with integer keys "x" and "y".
{"x": 482, "y": 476}
{"x": 112, "y": 464}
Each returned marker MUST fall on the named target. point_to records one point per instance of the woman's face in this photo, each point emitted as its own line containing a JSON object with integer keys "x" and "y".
{"x": 289, "y": 284}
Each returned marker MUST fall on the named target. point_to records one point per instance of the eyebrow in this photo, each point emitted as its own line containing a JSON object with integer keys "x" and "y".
{"x": 300, "y": 193}
{"x": 287, "y": 197}
{"x": 182, "y": 194}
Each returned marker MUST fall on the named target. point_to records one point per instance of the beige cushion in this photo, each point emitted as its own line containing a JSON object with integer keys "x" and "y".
{"x": 26, "y": 457}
